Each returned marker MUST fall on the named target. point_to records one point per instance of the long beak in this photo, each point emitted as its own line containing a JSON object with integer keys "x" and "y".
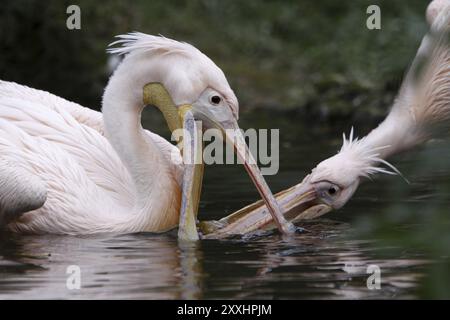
{"x": 192, "y": 176}
{"x": 298, "y": 203}
{"x": 232, "y": 133}
{"x": 178, "y": 118}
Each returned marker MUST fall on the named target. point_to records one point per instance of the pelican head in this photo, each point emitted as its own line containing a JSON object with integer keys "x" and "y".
{"x": 334, "y": 180}
{"x": 186, "y": 86}
{"x": 185, "y": 72}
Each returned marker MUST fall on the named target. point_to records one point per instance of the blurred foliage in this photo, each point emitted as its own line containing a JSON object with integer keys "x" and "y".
{"x": 38, "y": 50}
{"x": 316, "y": 57}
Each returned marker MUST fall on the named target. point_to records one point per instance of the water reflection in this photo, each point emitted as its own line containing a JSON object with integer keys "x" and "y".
{"x": 316, "y": 264}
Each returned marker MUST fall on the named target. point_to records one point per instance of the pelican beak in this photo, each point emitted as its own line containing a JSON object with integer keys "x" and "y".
{"x": 192, "y": 152}
{"x": 298, "y": 203}
{"x": 181, "y": 117}
{"x": 225, "y": 121}
{"x": 303, "y": 202}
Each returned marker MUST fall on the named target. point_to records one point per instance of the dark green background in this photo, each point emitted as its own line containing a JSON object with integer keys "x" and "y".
{"x": 314, "y": 57}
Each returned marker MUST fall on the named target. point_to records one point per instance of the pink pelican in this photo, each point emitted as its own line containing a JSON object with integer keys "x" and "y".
{"x": 65, "y": 169}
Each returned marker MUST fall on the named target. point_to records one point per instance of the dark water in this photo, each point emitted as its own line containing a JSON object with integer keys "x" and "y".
{"x": 322, "y": 263}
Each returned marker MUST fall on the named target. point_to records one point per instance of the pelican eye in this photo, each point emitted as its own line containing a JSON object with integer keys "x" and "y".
{"x": 332, "y": 191}
{"x": 215, "y": 99}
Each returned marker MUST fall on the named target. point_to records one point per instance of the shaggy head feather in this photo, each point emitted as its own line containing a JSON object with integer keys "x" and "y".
{"x": 177, "y": 56}
{"x": 355, "y": 159}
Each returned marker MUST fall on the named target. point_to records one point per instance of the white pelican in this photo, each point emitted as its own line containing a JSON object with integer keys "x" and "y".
{"x": 420, "y": 112}
{"x": 66, "y": 169}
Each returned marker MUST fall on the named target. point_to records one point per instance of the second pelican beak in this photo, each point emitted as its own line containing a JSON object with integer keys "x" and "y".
{"x": 298, "y": 203}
